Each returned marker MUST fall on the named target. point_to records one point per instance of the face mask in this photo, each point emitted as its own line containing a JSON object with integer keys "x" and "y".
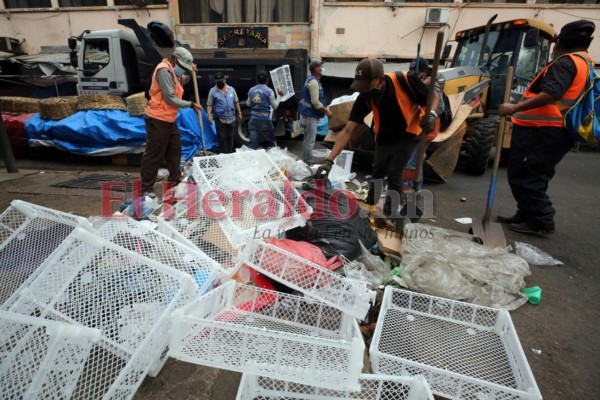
{"x": 220, "y": 84}
{"x": 178, "y": 71}
{"x": 374, "y": 94}
{"x": 322, "y": 70}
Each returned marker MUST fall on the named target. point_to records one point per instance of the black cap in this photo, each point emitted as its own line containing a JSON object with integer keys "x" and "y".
{"x": 262, "y": 76}
{"x": 421, "y": 63}
{"x": 366, "y": 70}
{"x": 314, "y": 64}
{"x": 219, "y": 76}
{"x": 577, "y": 29}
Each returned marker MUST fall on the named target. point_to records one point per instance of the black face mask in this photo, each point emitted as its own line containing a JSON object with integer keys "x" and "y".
{"x": 374, "y": 94}
{"x": 220, "y": 84}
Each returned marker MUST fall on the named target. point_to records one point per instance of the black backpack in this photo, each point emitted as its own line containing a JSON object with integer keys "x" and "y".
{"x": 446, "y": 117}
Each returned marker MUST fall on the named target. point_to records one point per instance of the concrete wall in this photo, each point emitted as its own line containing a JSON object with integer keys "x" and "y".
{"x": 390, "y": 31}
{"x": 52, "y": 27}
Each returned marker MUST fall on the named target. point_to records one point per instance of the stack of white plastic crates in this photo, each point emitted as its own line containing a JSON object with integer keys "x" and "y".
{"x": 464, "y": 351}
{"x": 41, "y": 359}
{"x": 90, "y": 282}
{"x": 372, "y": 387}
{"x": 28, "y": 235}
{"x": 257, "y": 331}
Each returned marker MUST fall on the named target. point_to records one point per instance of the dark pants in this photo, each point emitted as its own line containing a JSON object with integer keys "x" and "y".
{"x": 261, "y": 129}
{"x": 390, "y": 160}
{"x": 225, "y": 133}
{"x": 162, "y": 142}
{"x": 534, "y": 154}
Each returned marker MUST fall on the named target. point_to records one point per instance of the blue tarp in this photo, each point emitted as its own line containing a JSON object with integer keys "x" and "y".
{"x": 104, "y": 132}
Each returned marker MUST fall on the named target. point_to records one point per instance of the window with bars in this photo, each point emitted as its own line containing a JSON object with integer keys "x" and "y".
{"x": 27, "y": 3}
{"x": 239, "y": 11}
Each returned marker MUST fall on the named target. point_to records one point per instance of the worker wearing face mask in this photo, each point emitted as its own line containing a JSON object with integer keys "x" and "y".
{"x": 398, "y": 101}
{"x": 163, "y": 140}
{"x": 221, "y": 106}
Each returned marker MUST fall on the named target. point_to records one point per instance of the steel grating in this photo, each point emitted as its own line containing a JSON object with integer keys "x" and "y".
{"x": 372, "y": 387}
{"x": 95, "y": 182}
{"x": 465, "y": 351}
{"x": 248, "y": 329}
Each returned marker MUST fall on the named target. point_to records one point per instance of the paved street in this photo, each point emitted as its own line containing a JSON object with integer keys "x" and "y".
{"x": 564, "y": 327}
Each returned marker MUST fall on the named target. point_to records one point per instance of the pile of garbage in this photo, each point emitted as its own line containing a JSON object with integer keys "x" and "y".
{"x": 250, "y": 272}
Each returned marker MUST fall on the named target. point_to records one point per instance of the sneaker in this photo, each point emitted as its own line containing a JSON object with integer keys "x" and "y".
{"x": 531, "y": 229}
{"x": 515, "y": 219}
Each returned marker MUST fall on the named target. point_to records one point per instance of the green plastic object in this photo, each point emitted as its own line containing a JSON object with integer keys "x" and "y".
{"x": 534, "y": 294}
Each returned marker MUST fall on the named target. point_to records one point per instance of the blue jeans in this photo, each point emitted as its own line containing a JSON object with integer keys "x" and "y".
{"x": 309, "y": 124}
{"x": 261, "y": 129}
{"x": 412, "y": 164}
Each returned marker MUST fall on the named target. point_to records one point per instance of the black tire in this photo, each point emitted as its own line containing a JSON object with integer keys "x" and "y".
{"x": 242, "y": 135}
{"x": 479, "y": 143}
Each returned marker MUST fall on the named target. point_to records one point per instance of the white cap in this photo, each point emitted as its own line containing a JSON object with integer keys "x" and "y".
{"x": 184, "y": 57}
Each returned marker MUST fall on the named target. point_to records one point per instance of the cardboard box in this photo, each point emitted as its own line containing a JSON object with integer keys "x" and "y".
{"x": 341, "y": 113}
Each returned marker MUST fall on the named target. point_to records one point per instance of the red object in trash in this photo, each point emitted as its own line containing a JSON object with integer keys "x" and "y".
{"x": 15, "y": 129}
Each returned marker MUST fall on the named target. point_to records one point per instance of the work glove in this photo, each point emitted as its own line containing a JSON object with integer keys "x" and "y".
{"x": 427, "y": 123}
{"x": 325, "y": 169}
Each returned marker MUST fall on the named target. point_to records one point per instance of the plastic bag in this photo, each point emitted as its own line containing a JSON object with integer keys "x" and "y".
{"x": 333, "y": 227}
{"x": 368, "y": 268}
{"x": 292, "y": 164}
{"x": 450, "y": 264}
{"x": 535, "y": 256}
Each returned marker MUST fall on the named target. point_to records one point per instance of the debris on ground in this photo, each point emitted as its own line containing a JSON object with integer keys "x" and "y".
{"x": 535, "y": 256}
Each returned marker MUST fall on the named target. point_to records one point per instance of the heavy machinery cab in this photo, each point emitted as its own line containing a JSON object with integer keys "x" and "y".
{"x": 523, "y": 44}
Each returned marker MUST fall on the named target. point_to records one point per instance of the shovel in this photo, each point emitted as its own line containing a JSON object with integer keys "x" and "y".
{"x": 423, "y": 138}
{"x": 200, "y": 113}
{"x": 491, "y": 233}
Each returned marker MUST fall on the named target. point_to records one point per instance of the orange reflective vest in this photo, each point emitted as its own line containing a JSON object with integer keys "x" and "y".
{"x": 411, "y": 111}
{"x": 157, "y": 107}
{"x": 550, "y": 114}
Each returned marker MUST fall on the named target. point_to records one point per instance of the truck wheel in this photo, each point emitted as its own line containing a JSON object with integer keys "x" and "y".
{"x": 242, "y": 135}
{"x": 479, "y": 143}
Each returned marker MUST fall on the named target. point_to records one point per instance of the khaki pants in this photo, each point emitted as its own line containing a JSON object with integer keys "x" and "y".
{"x": 162, "y": 142}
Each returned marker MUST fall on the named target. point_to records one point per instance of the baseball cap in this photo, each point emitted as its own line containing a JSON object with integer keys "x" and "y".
{"x": 366, "y": 70}
{"x": 219, "y": 76}
{"x": 577, "y": 29}
{"x": 261, "y": 76}
{"x": 421, "y": 63}
{"x": 184, "y": 57}
{"x": 314, "y": 64}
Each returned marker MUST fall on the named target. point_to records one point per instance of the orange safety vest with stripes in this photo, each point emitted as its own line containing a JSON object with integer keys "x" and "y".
{"x": 157, "y": 107}
{"x": 411, "y": 111}
{"x": 550, "y": 114}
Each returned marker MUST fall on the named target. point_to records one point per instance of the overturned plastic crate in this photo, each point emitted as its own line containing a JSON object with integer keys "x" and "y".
{"x": 372, "y": 387}
{"x": 41, "y": 359}
{"x": 88, "y": 281}
{"x": 137, "y": 237}
{"x": 464, "y": 351}
{"x": 349, "y": 295}
{"x": 28, "y": 235}
{"x": 248, "y": 329}
{"x": 249, "y": 195}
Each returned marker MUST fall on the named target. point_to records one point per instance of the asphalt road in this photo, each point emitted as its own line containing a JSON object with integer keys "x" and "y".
{"x": 564, "y": 327}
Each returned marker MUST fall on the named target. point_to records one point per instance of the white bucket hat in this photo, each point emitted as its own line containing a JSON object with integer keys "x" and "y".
{"x": 184, "y": 57}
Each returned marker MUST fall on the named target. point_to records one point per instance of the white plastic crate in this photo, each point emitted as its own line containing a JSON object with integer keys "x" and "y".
{"x": 464, "y": 351}
{"x": 349, "y": 295}
{"x": 344, "y": 160}
{"x": 137, "y": 237}
{"x": 28, "y": 234}
{"x": 88, "y": 281}
{"x": 372, "y": 387}
{"x": 41, "y": 359}
{"x": 258, "y": 201}
{"x": 187, "y": 223}
{"x": 248, "y": 329}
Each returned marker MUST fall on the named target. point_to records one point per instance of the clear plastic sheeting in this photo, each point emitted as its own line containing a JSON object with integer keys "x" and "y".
{"x": 535, "y": 256}
{"x": 449, "y": 264}
{"x": 293, "y": 165}
{"x": 368, "y": 268}
{"x": 372, "y": 387}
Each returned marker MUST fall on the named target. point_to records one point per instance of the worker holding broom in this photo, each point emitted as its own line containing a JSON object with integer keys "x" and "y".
{"x": 163, "y": 140}
{"x": 398, "y": 119}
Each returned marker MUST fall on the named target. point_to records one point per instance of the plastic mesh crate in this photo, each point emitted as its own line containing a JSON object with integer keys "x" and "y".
{"x": 41, "y": 359}
{"x": 91, "y": 282}
{"x": 257, "y": 200}
{"x": 248, "y": 329}
{"x": 463, "y": 350}
{"x": 28, "y": 234}
{"x": 348, "y": 295}
{"x": 372, "y": 387}
{"x": 135, "y": 236}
